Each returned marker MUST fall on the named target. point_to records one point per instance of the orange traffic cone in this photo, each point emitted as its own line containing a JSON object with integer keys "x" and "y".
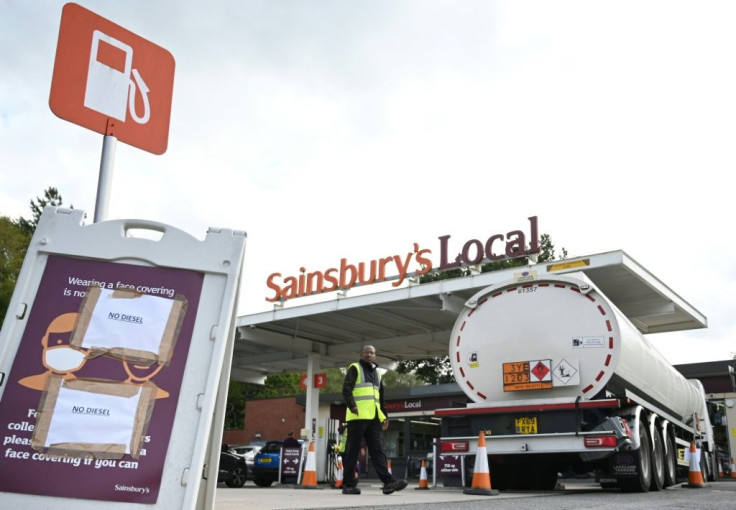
{"x": 423, "y": 482}
{"x": 720, "y": 470}
{"x": 733, "y": 468}
{"x": 694, "y": 475}
{"x": 481, "y": 485}
{"x": 338, "y": 481}
{"x": 389, "y": 467}
{"x": 309, "y": 480}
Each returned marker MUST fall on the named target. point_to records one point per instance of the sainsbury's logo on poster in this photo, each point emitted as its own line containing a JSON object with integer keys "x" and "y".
{"x": 496, "y": 247}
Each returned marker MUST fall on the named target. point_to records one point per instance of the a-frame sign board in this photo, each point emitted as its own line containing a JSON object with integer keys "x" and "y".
{"x": 112, "y": 353}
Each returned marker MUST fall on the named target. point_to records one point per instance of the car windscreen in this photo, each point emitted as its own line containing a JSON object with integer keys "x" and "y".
{"x": 271, "y": 448}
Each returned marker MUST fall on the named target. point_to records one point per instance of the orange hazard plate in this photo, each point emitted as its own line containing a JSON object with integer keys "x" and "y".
{"x": 517, "y": 377}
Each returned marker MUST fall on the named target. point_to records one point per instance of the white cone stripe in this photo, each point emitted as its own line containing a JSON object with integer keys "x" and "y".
{"x": 481, "y": 460}
{"x": 695, "y": 460}
{"x": 311, "y": 462}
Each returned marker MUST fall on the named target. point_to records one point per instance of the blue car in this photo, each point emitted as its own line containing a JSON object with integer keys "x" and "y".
{"x": 266, "y": 465}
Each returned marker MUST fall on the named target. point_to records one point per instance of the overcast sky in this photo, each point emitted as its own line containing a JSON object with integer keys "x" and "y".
{"x": 331, "y": 129}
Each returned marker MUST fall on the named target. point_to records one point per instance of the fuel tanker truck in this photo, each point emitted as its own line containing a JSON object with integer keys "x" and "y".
{"x": 559, "y": 380}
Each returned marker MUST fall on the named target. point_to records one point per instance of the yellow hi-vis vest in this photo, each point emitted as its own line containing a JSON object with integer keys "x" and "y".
{"x": 367, "y": 397}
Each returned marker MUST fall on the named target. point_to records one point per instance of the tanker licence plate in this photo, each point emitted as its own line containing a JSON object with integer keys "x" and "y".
{"x": 526, "y": 425}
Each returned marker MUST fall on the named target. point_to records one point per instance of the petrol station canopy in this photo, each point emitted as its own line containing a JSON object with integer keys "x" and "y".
{"x": 415, "y": 321}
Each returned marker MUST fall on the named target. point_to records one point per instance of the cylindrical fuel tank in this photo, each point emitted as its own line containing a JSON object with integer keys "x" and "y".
{"x": 559, "y": 337}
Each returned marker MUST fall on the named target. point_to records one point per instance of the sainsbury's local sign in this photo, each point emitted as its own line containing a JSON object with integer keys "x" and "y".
{"x": 512, "y": 244}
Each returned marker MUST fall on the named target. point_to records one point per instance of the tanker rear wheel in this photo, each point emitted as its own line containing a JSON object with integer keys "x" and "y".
{"x": 644, "y": 480}
{"x": 670, "y": 461}
{"x": 658, "y": 462}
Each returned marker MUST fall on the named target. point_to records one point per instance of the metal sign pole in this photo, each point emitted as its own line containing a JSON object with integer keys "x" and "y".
{"x": 104, "y": 183}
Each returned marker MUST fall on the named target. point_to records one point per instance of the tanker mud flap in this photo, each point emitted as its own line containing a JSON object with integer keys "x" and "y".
{"x": 624, "y": 465}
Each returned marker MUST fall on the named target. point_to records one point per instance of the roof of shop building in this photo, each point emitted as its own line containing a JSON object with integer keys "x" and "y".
{"x": 415, "y": 321}
{"x": 708, "y": 368}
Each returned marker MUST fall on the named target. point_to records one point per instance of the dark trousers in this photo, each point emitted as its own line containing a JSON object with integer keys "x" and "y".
{"x": 372, "y": 432}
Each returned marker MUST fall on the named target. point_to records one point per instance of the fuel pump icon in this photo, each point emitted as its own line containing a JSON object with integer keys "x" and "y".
{"x": 112, "y": 83}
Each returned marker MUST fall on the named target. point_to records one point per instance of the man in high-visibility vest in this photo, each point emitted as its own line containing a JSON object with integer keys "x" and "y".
{"x": 366, "y": 417}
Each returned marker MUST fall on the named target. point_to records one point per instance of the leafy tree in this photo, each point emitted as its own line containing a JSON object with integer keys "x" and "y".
{"x": 235, "y": 409}
{"x": 51, "y": 197}
{"x": 335, "y": 377}
{"x": 547, "y": 249}
{"x": 444, "y": 275}
{"x": 13, "y": 245}
{"x": 428, "y": 370}
{"x": 277, "y": 385}
{"x": 15, "y": 235}
{"x": 396, "y": 379}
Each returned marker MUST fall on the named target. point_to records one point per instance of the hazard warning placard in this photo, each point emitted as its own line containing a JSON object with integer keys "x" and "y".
{"x": 527, "y": 375}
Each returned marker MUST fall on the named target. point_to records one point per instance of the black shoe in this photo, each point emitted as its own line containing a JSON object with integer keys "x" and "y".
{"x": 394, "y": 486}
{"x": 350, "y": 490}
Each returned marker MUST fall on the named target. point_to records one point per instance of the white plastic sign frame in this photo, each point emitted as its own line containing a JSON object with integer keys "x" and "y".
{"x": 173, "y": 432}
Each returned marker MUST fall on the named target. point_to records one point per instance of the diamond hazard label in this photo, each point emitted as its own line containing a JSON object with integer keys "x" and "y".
{"x": 566, "y": 373}
{"x": 541, "y": 370}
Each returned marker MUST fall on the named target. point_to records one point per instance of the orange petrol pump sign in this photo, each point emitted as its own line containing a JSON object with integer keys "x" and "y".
{"x": 112, "y": 81}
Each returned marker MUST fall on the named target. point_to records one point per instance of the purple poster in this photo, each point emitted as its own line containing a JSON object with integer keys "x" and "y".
{"x": 290, "y": 465}
{"x": 78, "y": 455}
{"x": 449, "y": 465}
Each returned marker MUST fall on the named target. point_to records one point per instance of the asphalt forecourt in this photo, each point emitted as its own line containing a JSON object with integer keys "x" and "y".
{"x": 578, "y": 494}
{"x": 281, "y": 497}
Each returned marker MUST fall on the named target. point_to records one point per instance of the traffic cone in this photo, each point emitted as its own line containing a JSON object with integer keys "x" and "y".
{"x": 733, "y": 468}
{"x": 338, "y": 482}
{"x": 389, "y": 467}
{"x": 309, "y": 480}
{"x": 423, "y": 482}
{"x": 481, "y": 485}
{"x": 694, "y": 475}
{"x": 720, "y": 470}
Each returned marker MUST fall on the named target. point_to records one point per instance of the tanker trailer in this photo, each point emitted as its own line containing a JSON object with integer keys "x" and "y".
{"x": 559, "y": 380}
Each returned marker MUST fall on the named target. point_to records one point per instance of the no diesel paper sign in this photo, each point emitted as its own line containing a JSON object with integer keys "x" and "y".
{"x": 112, "y": 81}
